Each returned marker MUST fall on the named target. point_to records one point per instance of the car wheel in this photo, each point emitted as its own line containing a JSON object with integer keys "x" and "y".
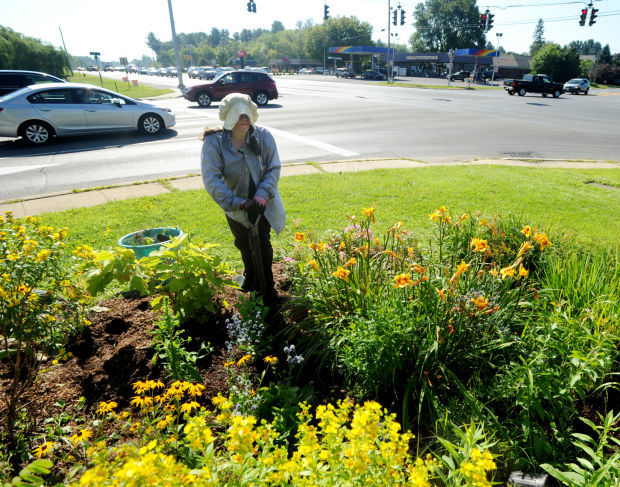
{"x": 522, "y": 92}
{"x": 511, "y": 92}
{"x": 545, "y": 94}
{"x": 586, "y": 92}
{"x": 261, "y": 98}
{"x": 36, "y": 133}
{"x": 204, "y": 99}
{"x": 556, "y": 94}
{"x": 150, "y": 124}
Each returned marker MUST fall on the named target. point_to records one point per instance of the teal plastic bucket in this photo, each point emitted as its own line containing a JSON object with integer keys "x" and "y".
{"x": 155, "y": 235}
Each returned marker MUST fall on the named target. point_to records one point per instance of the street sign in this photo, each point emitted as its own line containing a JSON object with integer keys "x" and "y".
{"x": 187, "y": 57}
{"x": 240, "y": 53}
{"x": 123, "y": 61}
{"x": 94, "y": 53}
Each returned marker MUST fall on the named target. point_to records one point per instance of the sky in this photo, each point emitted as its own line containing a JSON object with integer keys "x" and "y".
{"x": 118, "y": 28}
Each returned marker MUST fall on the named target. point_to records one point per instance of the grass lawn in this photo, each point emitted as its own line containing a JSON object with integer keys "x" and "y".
{"x": 559, "y": 201}
{"x": 121, "y": 87}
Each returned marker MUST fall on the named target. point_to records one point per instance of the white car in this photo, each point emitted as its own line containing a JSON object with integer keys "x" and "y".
{"x": 577, "y": 85}
{"x": 37, "y": 113}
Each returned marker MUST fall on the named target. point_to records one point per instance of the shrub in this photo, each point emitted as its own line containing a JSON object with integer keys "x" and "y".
{"x": 40, "y": 304}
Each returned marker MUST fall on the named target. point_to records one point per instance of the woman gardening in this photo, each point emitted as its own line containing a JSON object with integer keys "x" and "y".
{"x": 240, "y": 169}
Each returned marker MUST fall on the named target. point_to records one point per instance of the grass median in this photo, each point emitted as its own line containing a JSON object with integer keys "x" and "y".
{"x": 123, "y": 87}
{"x": 563, "y": 202}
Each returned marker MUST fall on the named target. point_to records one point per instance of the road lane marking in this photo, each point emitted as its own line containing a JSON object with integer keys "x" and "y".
{"x": 313, "y": 142}
{"x": 16, "y": 169}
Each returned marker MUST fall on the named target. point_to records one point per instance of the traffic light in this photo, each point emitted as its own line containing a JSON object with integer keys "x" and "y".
{"x": 483, "y": 21}
{"x": 326, "y": 12}
{"x": 402, "y": 17}
{"x": 584, "y": 14}
{"x": 593, "y": 16}
{"x": 394, "y": 17}
{"x": 490, "y": 21}
{"x": 251, "y": 6}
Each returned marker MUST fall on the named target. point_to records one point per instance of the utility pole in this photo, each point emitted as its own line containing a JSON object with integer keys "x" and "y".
{"x": 496, "y": 59}
{"x": 176, "y": 49}
{"x": 65, "y": 48}
{"x": 389, "y": 70}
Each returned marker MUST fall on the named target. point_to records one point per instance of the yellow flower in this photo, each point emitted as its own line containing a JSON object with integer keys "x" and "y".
{"x": 317, "y": 247}
{"x": 524, "y": 248}
{"x": 106, "y": 407}
{"x": 342, "y": 273}
{"x": 229, "y": 364}
{"x": 341, "y": 246}
{"x": 351, "y": 262}
{"x": 44, "y": 449}
{"x": 194, "y": 390}
{"x": 368, "y": 212}
{"x": 523, "y": 272}
{"x": 314, "y": 265}
{"x": 419, "y": 269}
{"x": 460, "y": 269}
{"x": 542, "y": 240}
{"x": 270, "y": 360}
{"x": 402, "y": 280}
{"x": 527, "y": 231}
{"x": 442, "y": 296}
{"x": 300, "y": 237}
{"x": 43, "y": 255}
{"x": 480, "y": 302}
{"x": 483, "y": 223}
{"x": 243, "y": 360}
{"x": 83, "y": 435}
{"x": 410, "y": 251}
{"x": 507, "y": 271}
{"x": 188, "y": 407}
{"x": 479, "y": 245}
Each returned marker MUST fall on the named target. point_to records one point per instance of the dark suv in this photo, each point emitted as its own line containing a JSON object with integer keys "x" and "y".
{"x": 462, "y": 75}
{"x": 12, "y": 80}
{"x": 260, "y": 86}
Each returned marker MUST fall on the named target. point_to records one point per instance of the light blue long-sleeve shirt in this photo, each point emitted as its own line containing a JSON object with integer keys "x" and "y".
{"x": 226, "y": 174}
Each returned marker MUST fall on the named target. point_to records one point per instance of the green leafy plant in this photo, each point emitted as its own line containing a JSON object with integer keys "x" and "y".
{"x": 188, "y": 274}
{"x": 29, "y": 476}
{"x": 179, "y": 363}
{"x": 600, "y": 463}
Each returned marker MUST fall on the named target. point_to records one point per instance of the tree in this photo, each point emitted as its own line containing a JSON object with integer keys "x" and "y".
{"x": 605, "y": 56}
{"x": 153, "y": 43}
{"x": 560, "y": 62}
{"x": 539, "y": 38}
{"x": 277, "y": 26}
{"x": 336, "y": 32}
{"x": 604, "y": 73}
{"x": 445, "y": 24}
{"x": 20, "y": 52}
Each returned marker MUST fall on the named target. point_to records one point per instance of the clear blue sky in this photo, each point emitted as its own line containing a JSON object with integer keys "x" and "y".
{"x": 119, "y": 28}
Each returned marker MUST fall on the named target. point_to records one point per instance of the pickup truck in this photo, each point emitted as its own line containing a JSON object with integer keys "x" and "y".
{"x": 533, "y": 83}
{"x": 344, "y": 73}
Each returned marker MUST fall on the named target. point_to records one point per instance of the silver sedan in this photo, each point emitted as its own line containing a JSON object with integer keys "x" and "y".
{"x": 37, "y": 113}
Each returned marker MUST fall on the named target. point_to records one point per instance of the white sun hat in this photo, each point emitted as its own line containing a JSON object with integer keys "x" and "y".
{"x": 233, "y": 106}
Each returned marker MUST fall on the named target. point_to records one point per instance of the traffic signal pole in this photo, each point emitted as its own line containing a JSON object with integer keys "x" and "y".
{"x": 389, "y": 70}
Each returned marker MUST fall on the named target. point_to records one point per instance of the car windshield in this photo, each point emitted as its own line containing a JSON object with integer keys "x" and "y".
{"x": 574, "y": 82}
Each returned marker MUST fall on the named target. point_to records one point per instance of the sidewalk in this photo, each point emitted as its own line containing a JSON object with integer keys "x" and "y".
{"x": 66, "y": 200}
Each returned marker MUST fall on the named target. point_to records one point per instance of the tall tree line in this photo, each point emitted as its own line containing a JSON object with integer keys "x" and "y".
{"x": 20, "y": 52}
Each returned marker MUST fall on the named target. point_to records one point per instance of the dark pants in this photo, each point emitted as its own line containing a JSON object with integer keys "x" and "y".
{"x": 242, "y": 242}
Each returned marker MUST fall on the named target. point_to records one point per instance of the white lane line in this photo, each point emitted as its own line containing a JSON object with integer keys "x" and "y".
{"x": 16, "y": 169}
{"x": 312, "y": 142}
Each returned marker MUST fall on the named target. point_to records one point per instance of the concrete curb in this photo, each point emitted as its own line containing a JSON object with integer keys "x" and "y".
{"x": 66, "y": 200}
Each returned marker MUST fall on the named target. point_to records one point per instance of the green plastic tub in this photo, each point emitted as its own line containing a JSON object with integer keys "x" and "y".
{"x": 144, "y": 242}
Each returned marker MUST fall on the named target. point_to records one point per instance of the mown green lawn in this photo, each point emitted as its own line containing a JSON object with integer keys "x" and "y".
{"x": 121, "y": 87}
{"x": 559, "y": 201}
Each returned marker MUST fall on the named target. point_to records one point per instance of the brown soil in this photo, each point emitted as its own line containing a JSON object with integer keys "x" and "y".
{"x": 115, "y": 351}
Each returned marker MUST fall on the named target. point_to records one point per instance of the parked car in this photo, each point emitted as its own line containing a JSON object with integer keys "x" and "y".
{"x": 260, "y": 86}
{"x": 11, "y": 80}
{"x": 206, "y": 73}
{"x": 171, "y": 71}
{"x": 373, "y": 75}
{"x": 93, "y": 67}
{"x": 344, "y": 73}
{"x": 151, "y": 71}
{"x": 39, "y": 113}
{"x": 193, "y": 71}
{"x": 459, "y": 75}
{"x": 577, "y": 85}
{"x": 533, "y": 83}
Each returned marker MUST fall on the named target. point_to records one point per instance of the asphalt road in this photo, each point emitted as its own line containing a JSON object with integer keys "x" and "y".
{"x": 320, "y": 118}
